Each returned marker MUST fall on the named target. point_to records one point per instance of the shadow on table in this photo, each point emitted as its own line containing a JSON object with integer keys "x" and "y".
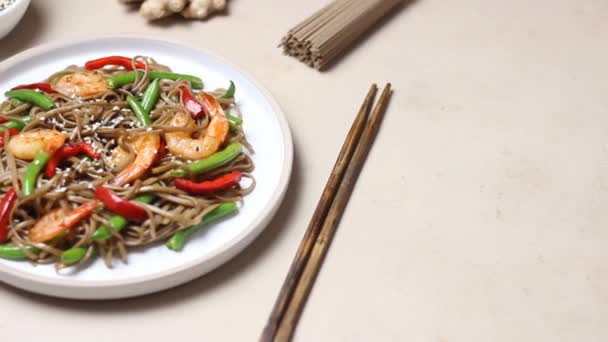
{"x": 197, "y": 287}
{"x": 26, "y": 31}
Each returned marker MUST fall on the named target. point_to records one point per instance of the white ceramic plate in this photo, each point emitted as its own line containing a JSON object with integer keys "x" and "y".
{"x": 156, "y": 268}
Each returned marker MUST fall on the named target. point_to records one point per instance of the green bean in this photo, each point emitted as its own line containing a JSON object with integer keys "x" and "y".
{"x": 17, "y": 124}
{"x": 73, "y": 255}
{"x": 195, "y": 81}
{"x": 31, "y": 96}
{"x": 234, "y": 121}
{"x": 214, "y": 161}
{"x": 31, "y": 173}
{"x": 117, "y": 222}
{"x": 229, "y": 93}
{"x": 177, "y": 241}
{"x": 151, "y": 96}
{"x": 120, "y": 80}
{"x": 139, "y": 111}
{"x": 13, "y": 252}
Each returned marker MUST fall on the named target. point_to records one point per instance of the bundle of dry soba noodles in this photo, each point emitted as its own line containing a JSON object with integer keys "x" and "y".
{"x": 325, "y": 35}
{"x": 120, "y": 153}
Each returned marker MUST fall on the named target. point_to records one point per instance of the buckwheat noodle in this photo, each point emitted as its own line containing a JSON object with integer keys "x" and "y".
{"x": 321, "y": 38}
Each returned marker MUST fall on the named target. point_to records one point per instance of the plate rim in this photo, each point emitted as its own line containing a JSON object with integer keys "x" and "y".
{"x": 212, "y": 260}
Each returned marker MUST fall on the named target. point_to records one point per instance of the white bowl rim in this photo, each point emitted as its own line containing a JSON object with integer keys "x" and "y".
{"x": 13, "y": 7}
{"x": 219, "y": 255}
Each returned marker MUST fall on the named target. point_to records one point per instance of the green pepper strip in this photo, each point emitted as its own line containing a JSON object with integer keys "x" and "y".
{"x": 229, "y": 93}
{"x": 31, "y": 96}
{"x": 117, "y": 222}
{"x": 151, "y": 96}
{"x": 234, "y": 121}
{"x": 31, "y": 173}
{"x": 13, "y": 252}
{"x": 16, "y": 123}
{"x": 139, "y": 111}
{"x": 120, "y": 80}
{"x": 73, "y": 255}
{"x": 177, "y": 241}
{"x": 215, "y": 160}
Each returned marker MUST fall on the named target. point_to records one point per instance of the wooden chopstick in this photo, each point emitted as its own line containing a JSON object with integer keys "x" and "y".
{"x": 318, "y": 217}
{"x": 292, "y": 315}
{"x": 281, "y": 324}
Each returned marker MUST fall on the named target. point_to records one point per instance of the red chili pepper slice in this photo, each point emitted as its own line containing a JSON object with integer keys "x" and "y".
{"x": 162, "y": 151}
{"x": 124, "y": 62}
{"x": 6, "y": 205}
{"x": 45, "y": 87}
{"x": 192, "y": 105}
{"x": 11, "y": 132}
{"x": 67, "y": 152}
{"x": 130, "y": 210}
{"x": 224, "y": 182}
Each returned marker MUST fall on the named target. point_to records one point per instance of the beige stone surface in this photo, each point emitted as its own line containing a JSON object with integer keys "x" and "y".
{"x": 481, "y": 214}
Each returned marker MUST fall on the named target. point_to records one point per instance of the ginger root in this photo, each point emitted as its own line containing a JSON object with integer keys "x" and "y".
{"x": 200, "y": 9}
{"x": 192, "y": 9}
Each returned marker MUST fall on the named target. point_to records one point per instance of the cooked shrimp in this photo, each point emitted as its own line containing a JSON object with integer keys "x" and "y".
{"x": 183, "y": 145}
{"x": 27, "y": 145}
{"x": 146, "y": 147}
{"x": 85, "y": 83}
{"x": 120, "y": 158}
{"x": 58, "y": 221}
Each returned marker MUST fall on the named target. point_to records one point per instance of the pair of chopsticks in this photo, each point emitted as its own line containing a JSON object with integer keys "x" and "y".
{"x": 307, "y": 262}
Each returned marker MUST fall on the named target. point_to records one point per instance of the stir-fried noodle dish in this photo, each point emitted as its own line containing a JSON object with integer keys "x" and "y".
{"x": 118, "y": 153}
